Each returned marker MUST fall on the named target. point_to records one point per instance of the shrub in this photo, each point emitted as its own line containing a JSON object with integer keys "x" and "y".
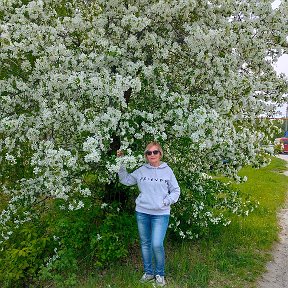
{"x": 206, "y": 204}
{"x": 22, "y": 256}
{"x": 116, "y": 234}
{"x": 278, "y": 148}
{"x": 57, "y": 241}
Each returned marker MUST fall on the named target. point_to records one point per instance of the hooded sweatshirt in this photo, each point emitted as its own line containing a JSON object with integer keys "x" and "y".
{"x": 158, "y": 188}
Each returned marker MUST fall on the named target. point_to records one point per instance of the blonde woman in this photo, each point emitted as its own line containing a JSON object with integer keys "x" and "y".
{"x": 159, "y": 189}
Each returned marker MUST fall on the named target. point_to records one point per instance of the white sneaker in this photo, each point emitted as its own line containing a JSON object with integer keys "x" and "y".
{"x": 147, "y": 278}
{"x": 160, "y": 281}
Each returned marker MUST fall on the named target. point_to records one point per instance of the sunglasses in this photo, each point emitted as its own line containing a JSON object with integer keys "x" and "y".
{"x": 149, "y": 153}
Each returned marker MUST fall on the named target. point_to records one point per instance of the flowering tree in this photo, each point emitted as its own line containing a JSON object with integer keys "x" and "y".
{"x": 80, "y": 79}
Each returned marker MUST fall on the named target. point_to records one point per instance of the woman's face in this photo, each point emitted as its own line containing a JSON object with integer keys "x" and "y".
{"x": 153, "y": 159}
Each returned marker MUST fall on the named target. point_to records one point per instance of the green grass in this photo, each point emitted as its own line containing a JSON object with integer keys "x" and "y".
{"x": 233, "y": 256}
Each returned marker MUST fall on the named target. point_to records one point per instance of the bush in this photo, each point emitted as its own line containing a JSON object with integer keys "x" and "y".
{"x": 278, "y": 148}
{"x": 206, "y": 204}
{"x": 57, "y": 241}
{"x": 22, "y": 256}
{"x": 117, "y": 232}
{"x": 97, "y": 235}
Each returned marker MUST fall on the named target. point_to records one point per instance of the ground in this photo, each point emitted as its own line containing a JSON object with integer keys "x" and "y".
{"x": 276, "y": 275}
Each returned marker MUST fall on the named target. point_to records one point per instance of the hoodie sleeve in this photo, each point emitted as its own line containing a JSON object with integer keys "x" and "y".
{"x": 126, "y": 178}
{"x": 174, "y": 191}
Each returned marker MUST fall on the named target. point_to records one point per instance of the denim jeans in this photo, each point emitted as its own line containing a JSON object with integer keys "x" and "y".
{"x": 152, "y": 230}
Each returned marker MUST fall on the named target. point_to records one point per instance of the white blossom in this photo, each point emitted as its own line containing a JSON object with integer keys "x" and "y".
{"x": 75, "y": 88}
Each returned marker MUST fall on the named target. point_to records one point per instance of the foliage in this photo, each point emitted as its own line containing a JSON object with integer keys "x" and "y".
{"x": 116, "y": 234}
{"x": 278, "y": 148}
{"x": 231, "y": 256}
{"x": 55, "y": 244}
{"x": 80, "y": 79}
{"x": 22, "y": 254}
{"x": 206, "y": 205}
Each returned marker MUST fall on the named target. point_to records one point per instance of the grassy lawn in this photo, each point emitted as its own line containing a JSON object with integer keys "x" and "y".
{"x": 233, "y": 256}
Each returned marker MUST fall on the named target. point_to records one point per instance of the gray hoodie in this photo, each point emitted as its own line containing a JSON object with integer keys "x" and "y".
{"x": 158, "y": 188}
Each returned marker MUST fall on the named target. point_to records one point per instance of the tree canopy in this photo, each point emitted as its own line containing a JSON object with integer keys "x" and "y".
{"x": 81, "y": 79}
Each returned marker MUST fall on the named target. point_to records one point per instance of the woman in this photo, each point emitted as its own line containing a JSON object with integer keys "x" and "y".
{"x": 158, "y": 191}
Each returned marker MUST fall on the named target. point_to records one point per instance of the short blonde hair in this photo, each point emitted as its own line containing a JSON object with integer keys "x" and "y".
{"x": 154, "y": 144}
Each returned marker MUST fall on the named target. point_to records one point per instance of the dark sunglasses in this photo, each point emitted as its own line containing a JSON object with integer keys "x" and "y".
{"x": 155, "y": 152}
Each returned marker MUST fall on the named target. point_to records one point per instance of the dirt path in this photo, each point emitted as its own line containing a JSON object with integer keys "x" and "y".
{"x": 277, "y": 269}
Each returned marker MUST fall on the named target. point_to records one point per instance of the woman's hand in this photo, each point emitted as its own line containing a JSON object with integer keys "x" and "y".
{"x": 119, "y": 153}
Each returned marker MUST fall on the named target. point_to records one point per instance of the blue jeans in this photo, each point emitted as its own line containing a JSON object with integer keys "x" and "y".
{"x": 152, "y": 230}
